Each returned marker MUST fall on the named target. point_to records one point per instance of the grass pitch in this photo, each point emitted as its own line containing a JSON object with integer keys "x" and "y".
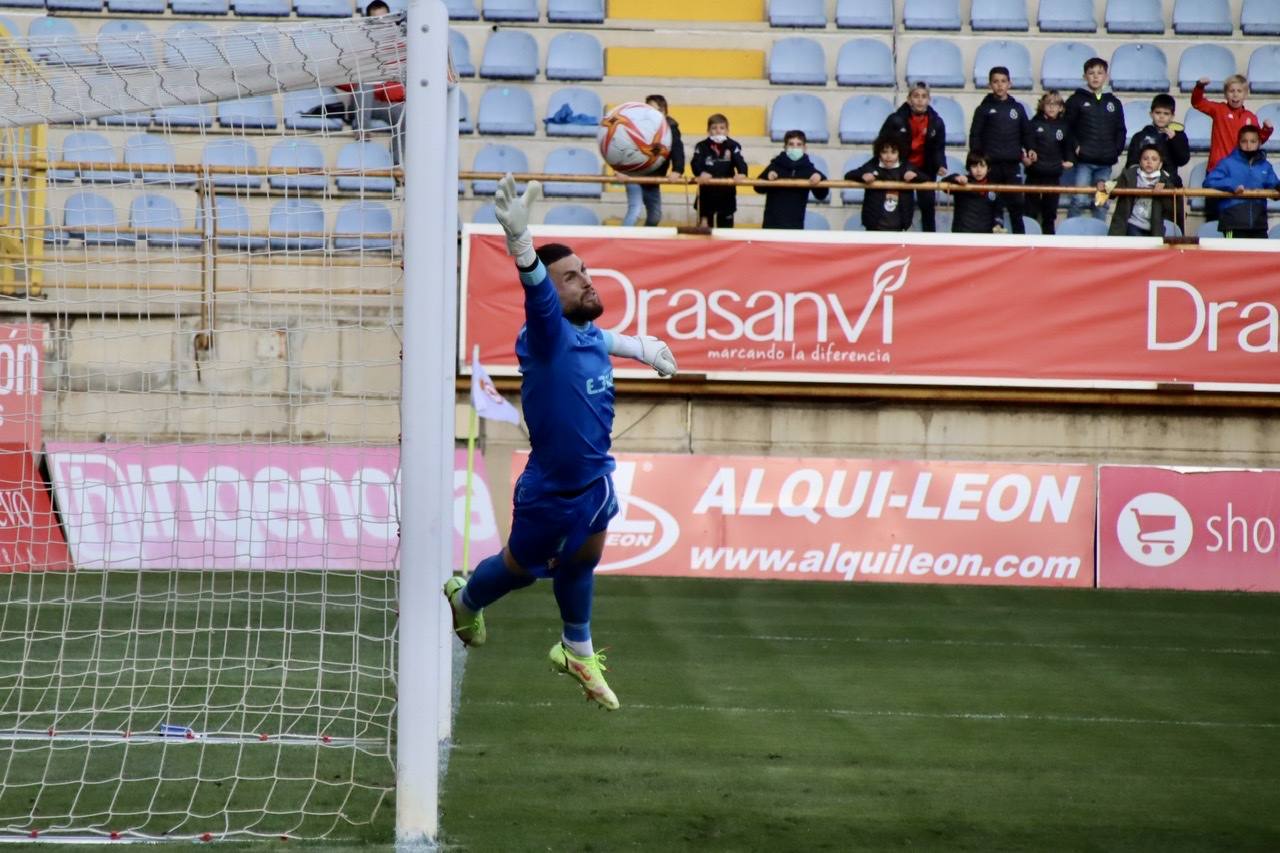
{"x": 788, "y": 716}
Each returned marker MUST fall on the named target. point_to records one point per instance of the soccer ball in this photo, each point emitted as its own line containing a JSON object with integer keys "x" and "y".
{"x": 634, "y": 138}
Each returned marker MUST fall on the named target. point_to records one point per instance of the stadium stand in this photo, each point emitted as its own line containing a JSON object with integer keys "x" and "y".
{"x": 575, "y": 56}
{"x": 931, "y": 14}
{"x": 363, "y": 156}
{"x": 156, "y": 219}
{"x": 460, "y": 53}
{"x": 1264, "y": 69}
{"x": 146, "y": 149}
{"x": 1270, "y": 112}
{"x": 1208, "y": 230}
{"x": 936, "y": 62}
{"x": 1197, "y": 180}
{"x": 575, "y": 11}
{"x": 1061, "y": 67}
{"x": 1274, "y": 233}
{"x": 853, "y": 195}
{"x": 297, "y": 154}
{"x": 362, "y": 226}
{"x": 571, "y": 214}
{"x": 234, "y": 226}
{"x": 953, "y": 116}
{"x": 91, "y": 147}
{"x": 1198, "y": 127}
{"x": 1202, "y": 18}
{"x": 256, "y": 113}
{"x": 75, "y": 5}
{"x": 462, "y": 10}
{"x": 91, "y": 217}
{"x": 323, "y": 8}
{"x": 797, "y": 13}
{"x": 509, "y": 55}
{"x": 1137, "y": 114}
{"x": 1260, "y": 18}
{"x": 573, "y": 111}
{"x": 484, "y": 215}
{"x": 195, "y": 116}
{"x": 1205, "y": 60}
{"x": 864, "y": 62}
{"x": 572, "y": 160}
{"x": 861, "y": 117}
{"x": 853, "y": 222}
{"x": 998, "y": 15}
{"x": 1082, "y": 226}
{"x": 297, "y": 104}
{"x": 506, "y": 110}
{"x": 292, "y": 224}
{"x": 1012, "y": 55}
{"x": 815, "y": 221}
{"x": 864, "y": 14}
{"x": 200, "y": 7}
{"x": 799, "y": 111}
{"x": 510, "y": 10}
{"x": 234, "y": 153}
{"x": 50, "y": 51}
{"x": 497, "y": 157}
{"x": 1067, "y": 16}
{"x": 1134, "y": 16}
{"x": 797, "y": 62}
{"x": 266, "y": 8}
{"x": 1139, "y": 68}
{"x": 126, "y": 44}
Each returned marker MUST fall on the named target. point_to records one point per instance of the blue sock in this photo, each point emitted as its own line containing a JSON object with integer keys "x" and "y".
{"x": 490, "y": 581}
{"x": 573, "y": 585}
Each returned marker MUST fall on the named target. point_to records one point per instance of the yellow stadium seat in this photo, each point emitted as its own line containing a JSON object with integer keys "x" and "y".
{"x": 684, "y": 62}
{"x": 682, "y": 10}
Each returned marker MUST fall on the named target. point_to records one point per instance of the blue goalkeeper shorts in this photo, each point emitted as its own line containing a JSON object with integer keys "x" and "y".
{"x": 547, "y": 528}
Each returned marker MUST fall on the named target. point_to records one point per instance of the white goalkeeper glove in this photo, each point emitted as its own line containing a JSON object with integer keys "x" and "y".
{"x": 512, "y": 213}
{"x": 646, "y": 348}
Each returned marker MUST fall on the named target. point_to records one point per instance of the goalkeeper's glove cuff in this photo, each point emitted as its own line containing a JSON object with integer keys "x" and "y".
{"x": 520, "y": 247}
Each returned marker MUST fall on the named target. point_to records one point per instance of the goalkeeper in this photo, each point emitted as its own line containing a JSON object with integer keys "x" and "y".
{"x": 564, "y": 499}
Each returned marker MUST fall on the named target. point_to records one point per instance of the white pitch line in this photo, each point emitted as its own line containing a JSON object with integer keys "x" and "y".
{"x": 905, "y": 641}
{"x": 977, "y": 716}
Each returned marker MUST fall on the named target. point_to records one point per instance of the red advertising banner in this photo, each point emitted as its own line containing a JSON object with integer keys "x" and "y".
{"x": 932, "y": 308}
{"x": 972, "y": 523}
{"x": 21, "y": 349}
{"x": 1167, "y": 528}
{"x": 30, "y": 538}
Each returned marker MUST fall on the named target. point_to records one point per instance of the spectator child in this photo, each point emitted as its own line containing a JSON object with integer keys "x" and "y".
{"x": 784, "y": 206}
{"x": 717, "y": 156}
{"x": 650, "y": 195}
{"x": 975, "y": 213}
{"x": 1228, "y": 118}
{"x": 917, "y": 129}
{"x": 1095, "y": 122}
{"x": 1141, "y": 216}
{"x": 884, "y": 210}
{"x": 1175, "y": 148}
{"x": 1051, "y": 145}
{"x": 1001, "y": 130}
{"x": 1245, "y": 168}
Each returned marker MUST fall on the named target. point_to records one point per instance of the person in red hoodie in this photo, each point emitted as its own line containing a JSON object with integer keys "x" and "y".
{"x": 1228, "y": 118}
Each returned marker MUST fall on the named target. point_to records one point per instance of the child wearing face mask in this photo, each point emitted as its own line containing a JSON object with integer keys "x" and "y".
{"x": 1141, "y": 216}
{"x": 784, "y": 207}
{"x": 717, "y": 156}
{"x": 884, "y": 209}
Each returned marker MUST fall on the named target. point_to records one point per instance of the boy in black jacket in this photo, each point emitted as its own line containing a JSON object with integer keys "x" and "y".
{"x": 884, "y": 210}
{"x": 976, "y": 213}
{"x": 1095, "y": 120}
{"x": 1001, "y": 130}
{"x": 784, "y": 207}
{"x": 919, "y": 131}
{"x": 717, "y": 156}
{"x": 1174, "y": 147}
{"x": 1051, "y": 147}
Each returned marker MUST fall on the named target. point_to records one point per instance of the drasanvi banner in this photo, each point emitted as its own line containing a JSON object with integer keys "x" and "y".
{"x": 929, "y": 308}
{"x": 1188, "y": 528}
{"x": 30, "y": 537}
{"x": 21, "y": 348}
{"x": 818, "y": 519}
{"x": 244, "y": 506}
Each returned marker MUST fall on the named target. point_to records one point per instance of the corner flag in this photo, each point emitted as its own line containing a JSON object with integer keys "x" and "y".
{"x": 485, "y": 398}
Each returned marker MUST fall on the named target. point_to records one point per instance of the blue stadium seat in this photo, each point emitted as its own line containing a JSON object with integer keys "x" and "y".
{"x": 1063, "y": 65}
{"x": 126, "y": 120}
{"x": 297, "y": 154}
{"x": 865, "y": 62}
{"x": 1197, "y": 180}
{"x": 1139, "y": 68}
{"x": 497, "y": 158}
{"x": 815, "y": 221}
{"x": 137, "y": 7}
{"x": 363, "y": 226}
{"x": 954, "y": 117}
{"x": 92, "y": 218}
{"x": 147, "y": 149}
{"x": 575, "y": 56}
{"x": 235, "y": 153}
{"x": 200, "y": 7}
{"x": 575, "y": 11}
{"x": 1134, "y": 16}
{"x": 1171, "y": 230}
{"x": 583, "y": 103}
{"x": 257, "y": 112}
{"x": 1270, "y": 112}
{"x": 156, "y": 219}
{"x": 936, "y": 62}
{"x": 571, "y": 214}
{"x": 797, "y": 62}
{"x": 460, "y": 53}
{"x": 861, "y": 117}
{"x": 323, "y": 8}
{"x": 1205, "y": 60}
{"x": 54, "y": 234}
{"x": 126, "y": 44}
{"x": 853, "y": 222}
{"x": 189, "y": 43}
{"x": 1264, "y": 69}
{"x": 931, "y": 14}
{"x": 1082, "y": 226}
{"x": 797, "y": 13}
{"x": 90, "y": 147}
{"x": 465, "y": 124}
{"x": 853, "y": 195}
{"x": 820, "y": 163}
{"x": 1260, "y": 18}
{"x": 233, "y": 224}
{"x": 1067, "y": 16}
{"x": 297, "y": 103}
{"x": 462, "y": 10}
{"x": 1208, "y": 231}
{"x": 1011, "y": 54}
{"x": 510, "y": 10}
{"x": 506, "y": 110}
{"x": 1274, "y": 233}
{"x": 272, "y": 8}
{"x": 290, "y": 219}
{"x": 1029, "y": 225}
{"x": 363, "y": 156}
{"x": 799, "y": 111}
{"x": 1198, "y": 128}
{"x": 74, "y": 5}
{"x": 1137, "y": 115}
{"x": 21, "y": 4}
{"x": 864, "y": 14}
{"x": 999, "y": 15}
{"x": 572, "y": 160}
{"x": 191, "y": 115}
{"x": 1202, "y": 18}
{"x": 510, "y": 55}
{"x": 57, "y": 41}
{"x": 484, "y": 215}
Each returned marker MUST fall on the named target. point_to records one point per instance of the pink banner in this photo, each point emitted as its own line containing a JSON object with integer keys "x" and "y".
{"x": 1188, "y": 528}
{"x": 243, "y": 506}
{"x": 21, "y": 348}
{"x": 973, "y": 523}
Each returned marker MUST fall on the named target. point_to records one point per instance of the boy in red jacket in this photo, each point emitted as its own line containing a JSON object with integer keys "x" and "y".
{"x": 1228, "y": 118}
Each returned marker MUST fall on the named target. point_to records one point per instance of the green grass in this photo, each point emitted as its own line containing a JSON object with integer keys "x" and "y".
{"x": 787, "y": 716}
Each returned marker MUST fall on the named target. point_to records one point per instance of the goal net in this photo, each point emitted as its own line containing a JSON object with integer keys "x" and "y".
{"x": 199, "y": 524}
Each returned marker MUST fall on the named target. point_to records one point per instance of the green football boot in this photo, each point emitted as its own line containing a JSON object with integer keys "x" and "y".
{"x": 588, "y": 671}
{"x": 467, "y": 625}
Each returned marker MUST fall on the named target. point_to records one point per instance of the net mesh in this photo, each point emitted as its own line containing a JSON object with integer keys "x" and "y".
{"x": 200, "y": 240}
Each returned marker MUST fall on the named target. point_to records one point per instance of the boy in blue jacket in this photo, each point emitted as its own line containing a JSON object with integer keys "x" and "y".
{"x": 1246, "y": 168}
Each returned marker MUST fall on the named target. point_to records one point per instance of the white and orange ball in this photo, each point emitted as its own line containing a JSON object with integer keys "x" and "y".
{"x": 634, "y": 138}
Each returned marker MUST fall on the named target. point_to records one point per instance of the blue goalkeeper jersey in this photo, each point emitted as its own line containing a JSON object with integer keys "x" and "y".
{"x": 566, "y": 392}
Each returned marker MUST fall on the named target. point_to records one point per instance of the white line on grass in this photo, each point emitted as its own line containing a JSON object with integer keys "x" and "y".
{"x": 904, "y": 641}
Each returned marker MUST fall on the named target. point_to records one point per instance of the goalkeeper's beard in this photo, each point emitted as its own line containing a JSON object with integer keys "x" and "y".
{"x": 584, "y": 313}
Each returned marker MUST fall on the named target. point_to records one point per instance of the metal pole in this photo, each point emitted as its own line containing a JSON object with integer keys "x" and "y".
{"x": 426, "y": 455}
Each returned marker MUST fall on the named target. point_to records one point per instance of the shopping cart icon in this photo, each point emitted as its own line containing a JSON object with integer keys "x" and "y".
{"x": 1157, "y": 530}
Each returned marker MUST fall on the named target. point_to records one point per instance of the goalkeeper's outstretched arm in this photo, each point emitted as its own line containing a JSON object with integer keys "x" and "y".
{"x": 643, "y": 348}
